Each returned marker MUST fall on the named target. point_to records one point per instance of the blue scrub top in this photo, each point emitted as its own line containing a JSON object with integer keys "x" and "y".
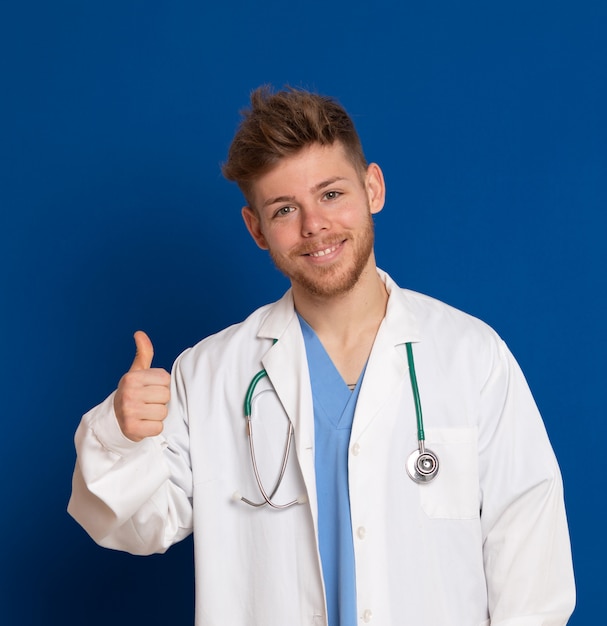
{"x": 334, "y": 405}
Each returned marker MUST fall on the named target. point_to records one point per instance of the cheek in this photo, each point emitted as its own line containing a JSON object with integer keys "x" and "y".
{"x": 280, "y": 237}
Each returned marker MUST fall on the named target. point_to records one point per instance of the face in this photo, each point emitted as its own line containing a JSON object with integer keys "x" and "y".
{"x": 313, "y": 213}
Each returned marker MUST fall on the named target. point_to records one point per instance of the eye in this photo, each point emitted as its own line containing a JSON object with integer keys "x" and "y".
{"x": 332, "y": 195}
{"x": 285, "y": 210}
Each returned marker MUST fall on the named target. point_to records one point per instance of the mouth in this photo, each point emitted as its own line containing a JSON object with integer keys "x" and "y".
{"x": 330, "y": 249}
{"x": 324, "y": 252}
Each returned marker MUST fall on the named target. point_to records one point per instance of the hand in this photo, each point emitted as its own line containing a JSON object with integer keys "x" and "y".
{"x": 141, "y": 399}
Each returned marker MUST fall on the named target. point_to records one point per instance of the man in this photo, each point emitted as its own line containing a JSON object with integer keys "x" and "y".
{"x": 306, "y": 513}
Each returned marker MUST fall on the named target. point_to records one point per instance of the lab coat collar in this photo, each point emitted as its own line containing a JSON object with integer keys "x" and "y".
{"x": 400, "y": 323}
{"x": 280, "y": 315}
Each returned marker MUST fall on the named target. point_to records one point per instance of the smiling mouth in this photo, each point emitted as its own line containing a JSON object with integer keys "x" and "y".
{"x": 323, "y": 252}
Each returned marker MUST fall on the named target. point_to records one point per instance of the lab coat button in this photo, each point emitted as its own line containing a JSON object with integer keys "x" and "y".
{"x": 361, "y": 532}
{"x": 356, "y": 449}
{"x": 367, "y": 616}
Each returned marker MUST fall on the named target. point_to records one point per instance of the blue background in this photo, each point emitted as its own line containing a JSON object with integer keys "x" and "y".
{"x": 489, "y": 122}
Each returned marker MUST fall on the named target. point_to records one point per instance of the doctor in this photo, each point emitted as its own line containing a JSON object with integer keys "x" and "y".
{"x": 332, "y": 424}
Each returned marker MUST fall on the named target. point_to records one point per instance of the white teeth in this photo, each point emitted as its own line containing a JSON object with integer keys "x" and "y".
{"x": 323, "y": 252}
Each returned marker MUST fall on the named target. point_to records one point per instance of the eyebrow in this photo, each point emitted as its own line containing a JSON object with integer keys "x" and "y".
{"x": 314, "y": 189}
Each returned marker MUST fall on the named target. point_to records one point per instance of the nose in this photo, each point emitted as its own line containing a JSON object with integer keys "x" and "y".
{"x": 313, "y": 221}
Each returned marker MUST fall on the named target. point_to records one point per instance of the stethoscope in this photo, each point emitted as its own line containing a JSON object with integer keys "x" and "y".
{"x": 422, "y": 465}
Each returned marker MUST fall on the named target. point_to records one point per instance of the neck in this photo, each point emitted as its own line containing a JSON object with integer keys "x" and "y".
{"x": 347, "y": 324}
{"x": 344, "y": 317}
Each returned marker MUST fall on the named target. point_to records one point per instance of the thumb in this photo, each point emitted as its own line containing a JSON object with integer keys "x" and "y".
{"x": 144, "y": 353}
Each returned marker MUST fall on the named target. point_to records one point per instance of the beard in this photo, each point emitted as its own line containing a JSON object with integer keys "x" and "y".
{"x": 330, "y": 280}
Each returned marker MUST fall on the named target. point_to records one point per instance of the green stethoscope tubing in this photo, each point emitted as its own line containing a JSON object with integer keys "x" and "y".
{"x": 422, "y": 465}
{"x": 416, "y": 400}
{"x": 250, "y": 391}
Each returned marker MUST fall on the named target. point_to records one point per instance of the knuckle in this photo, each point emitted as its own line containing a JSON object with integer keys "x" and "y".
{"x": 127, "y": 382}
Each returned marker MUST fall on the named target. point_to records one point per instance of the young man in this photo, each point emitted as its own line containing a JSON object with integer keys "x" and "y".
{"x": 307, "y": 512}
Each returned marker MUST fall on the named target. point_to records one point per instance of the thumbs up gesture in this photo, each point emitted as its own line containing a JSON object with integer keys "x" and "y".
{"x": 141, "y": 399}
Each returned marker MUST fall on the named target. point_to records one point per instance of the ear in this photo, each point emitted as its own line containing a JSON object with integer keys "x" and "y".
{"x": 251, "y": 220}
{"x": 376, "y": 188}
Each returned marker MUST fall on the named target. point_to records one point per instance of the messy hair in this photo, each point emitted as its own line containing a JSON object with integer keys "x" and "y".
{"x": 279, "y": 125}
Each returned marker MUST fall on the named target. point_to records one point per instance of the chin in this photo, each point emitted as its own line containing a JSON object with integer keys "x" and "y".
{"x": 327, "y": 282}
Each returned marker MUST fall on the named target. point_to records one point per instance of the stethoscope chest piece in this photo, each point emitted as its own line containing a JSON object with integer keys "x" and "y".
{"x": 422, "y": 466}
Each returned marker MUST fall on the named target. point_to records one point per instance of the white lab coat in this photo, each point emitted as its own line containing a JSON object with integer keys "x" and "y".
{"x": 485, "y": 543}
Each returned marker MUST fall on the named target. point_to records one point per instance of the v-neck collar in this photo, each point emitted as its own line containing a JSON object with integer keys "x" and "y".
{"x": 333, "y": 399}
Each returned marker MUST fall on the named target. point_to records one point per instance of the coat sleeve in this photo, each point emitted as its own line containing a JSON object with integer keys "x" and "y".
{"x": 133, "y": 496}
{"x": 526, "y": 545}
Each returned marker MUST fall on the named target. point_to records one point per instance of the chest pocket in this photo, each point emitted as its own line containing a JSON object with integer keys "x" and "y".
{"x": 454, "y": 493}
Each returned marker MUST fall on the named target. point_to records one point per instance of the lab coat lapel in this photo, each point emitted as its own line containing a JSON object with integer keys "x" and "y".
{"x": 387, "y": 368}
{"x": 287, "y": 368}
